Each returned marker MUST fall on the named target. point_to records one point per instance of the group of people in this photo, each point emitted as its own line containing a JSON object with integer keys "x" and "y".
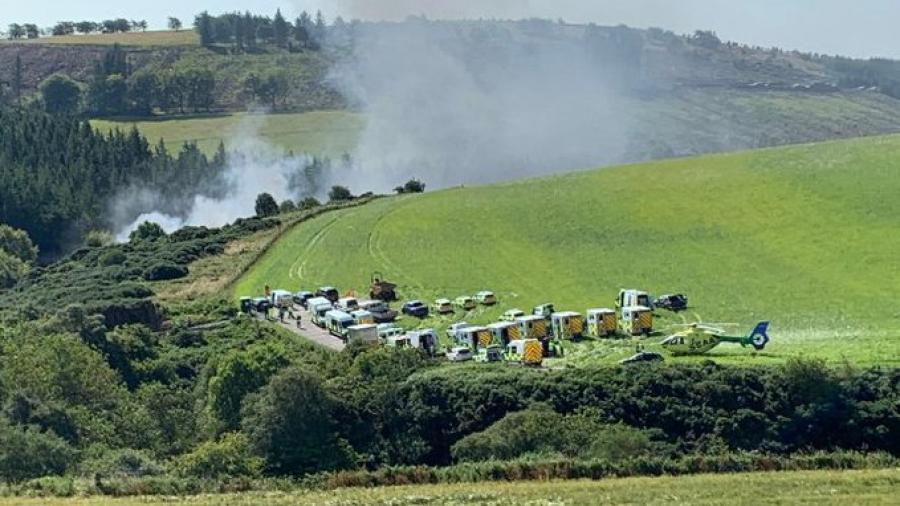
{"x": 288, "y": 313}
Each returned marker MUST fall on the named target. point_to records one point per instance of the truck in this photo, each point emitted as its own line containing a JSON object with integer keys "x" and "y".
{"x": 474, "y": 337}
{"x": 362, "y": 317}
{"x": 425, "y": 340}
{"x": 282, "y": 299}
{"x": 318, "y": 306}
{"x": 348, "y": 304}
{"x": 454, "y": 328}
{"x": 637, "y": 320}
{"x": 338, "y": 322}
{"x": 386, "y": 330}
{"x": 567, "y": 325}
{"x": 329, "y": 292}
{"x": 381, "y": 289}
{"x": 630, "y": 297}
{"x": 544, "y": 311}
{"x": 533, "y": 327}
{"x": 527, "y": 352}
{"x": 504, "y": 332}
{"x": 601, "y": 322}
{"x": 367, "y": 334}
{"x": 381, "y": 312}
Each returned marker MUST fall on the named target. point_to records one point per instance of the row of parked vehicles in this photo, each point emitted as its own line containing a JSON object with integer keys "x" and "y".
{"x": 518, "y": 337}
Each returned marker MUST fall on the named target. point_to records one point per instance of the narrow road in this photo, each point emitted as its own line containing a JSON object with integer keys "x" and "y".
{"x": 311, "y": 331}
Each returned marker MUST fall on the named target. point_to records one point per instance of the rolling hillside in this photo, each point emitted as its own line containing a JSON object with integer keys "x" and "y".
{"x": 805, "y": 236}
{"x": 331, "y": 133}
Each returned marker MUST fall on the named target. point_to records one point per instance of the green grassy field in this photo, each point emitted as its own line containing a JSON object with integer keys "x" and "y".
{"x": 809, "y": 487}
{"x": 805, "y": 236}
{"x": 322, "y": 132}
{"x": 150, "y": 38}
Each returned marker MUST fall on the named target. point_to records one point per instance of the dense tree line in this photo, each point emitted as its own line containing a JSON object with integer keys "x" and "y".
{"x": 59, "y": 173}
{"x": 16, "y": 31}
{"x": 245, "y": 32}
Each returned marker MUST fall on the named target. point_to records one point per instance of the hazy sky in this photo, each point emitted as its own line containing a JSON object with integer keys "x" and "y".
{"x": 858, "y": 28}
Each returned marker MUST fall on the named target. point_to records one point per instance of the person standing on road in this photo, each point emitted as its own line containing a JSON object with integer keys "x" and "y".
{"x": 299, "y": 321}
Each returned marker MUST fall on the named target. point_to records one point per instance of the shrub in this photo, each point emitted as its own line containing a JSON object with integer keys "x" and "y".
{"x": 291, "y": 424}
{"x": 147, "y": 231}
{"x": 113, "y": 257}
{"x": 12, "y": 270}
{"x": 121, "y": 463}
{"x": 339, "y": 194}
{"x": 411, "y": 186}
{"x": 98, "y": 239}
{"x": 227, "y": 458}
{"x": 165, "y": 271}
{"x": 308, "y": 203}
{"x": 26, "y": 453}
{"x": 266, "y": 205}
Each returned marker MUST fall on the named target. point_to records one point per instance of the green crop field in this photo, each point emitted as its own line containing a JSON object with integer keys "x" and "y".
{"x": 150, "y": 38}
{"x": 331, "y": 133}
{"x": 809, "y": 487}
{"x": 805, "y": 236}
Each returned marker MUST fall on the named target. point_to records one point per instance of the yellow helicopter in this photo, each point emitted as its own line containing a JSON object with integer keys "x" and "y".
{"x": 699, "y": 338}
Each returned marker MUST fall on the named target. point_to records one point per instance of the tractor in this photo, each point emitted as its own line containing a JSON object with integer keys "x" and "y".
{"x": 381, "y": 289}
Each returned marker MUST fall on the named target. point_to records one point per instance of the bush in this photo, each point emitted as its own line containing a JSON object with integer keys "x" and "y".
{"x": 266, "y": 205}
{"x": 147, "y": 231}
{"x": 229, "y": 457}
{"x": 113, "y": 257}
{"x": 121, "y": 463}
{"x": 411, "y": 186}
{"x": 165, "y": 271}
{"x": 98, "y": 239}
{"x": 339, "y": 194}
{"x": 308, "y": 203}
{"x": 287, "y": 206}
{"x": 291, "y": 424}
{"x": 26, "y": 453}
{"x": 12, "y": 270}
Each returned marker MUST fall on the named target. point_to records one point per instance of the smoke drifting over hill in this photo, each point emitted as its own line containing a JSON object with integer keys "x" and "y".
{"x": 458, "y": 103}
{"x": 253, "y": 167}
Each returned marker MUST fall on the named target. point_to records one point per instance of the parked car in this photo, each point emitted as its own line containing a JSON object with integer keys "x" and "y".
{"x": 328, "y": 292}
{"x": 465, "y": 303}
{"x": 452, "y": 329}
{"x": 673, "y": 302}
{"x": 459, "y": 354}
{"x": 415, "y": 308}
{"x": 644, "y": 356}
{"x": 442, "y": 306}
{"x": 511, "y": 315}
{"x": 380, "y": 310}
{"x": 302, "y": 296}
{"x": 261, "y": 304}
{"x": 486, "y": 298}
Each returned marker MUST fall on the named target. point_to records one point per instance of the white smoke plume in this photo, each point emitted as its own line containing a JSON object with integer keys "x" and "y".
{"x": 254, "y": 167}
{"x": 471, "y": 102}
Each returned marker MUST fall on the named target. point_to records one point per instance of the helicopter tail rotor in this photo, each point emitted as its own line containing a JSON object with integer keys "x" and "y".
{"x": 759, "y": 338}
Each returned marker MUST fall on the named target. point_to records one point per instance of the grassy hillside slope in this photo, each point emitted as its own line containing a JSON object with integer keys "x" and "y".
{"x": 805, "y": 236}
{"x": 330, "y": 133}
{"x": 153, "y": 38}
{"x": 806, "y": 487}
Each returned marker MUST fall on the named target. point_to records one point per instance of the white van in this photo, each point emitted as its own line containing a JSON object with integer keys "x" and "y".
{"x": 367, "y": 334}
{"x": 318, "y": 306}
{"x": 338, "y": 322}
